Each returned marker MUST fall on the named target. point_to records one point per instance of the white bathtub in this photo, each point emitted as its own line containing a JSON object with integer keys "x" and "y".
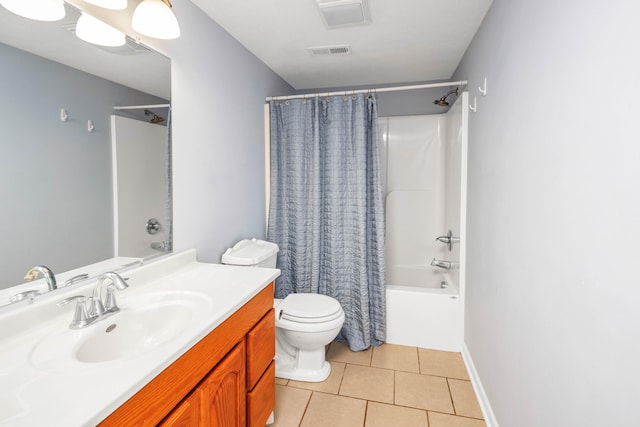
{"x": 420, "y": 313}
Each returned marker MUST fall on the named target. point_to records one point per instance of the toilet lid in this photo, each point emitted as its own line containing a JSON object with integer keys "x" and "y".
{"x": 310, "y": 308}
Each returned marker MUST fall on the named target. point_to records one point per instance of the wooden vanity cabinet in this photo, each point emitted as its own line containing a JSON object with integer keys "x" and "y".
{"x": 227, "y": 379}
{"x": 261, "y": 378}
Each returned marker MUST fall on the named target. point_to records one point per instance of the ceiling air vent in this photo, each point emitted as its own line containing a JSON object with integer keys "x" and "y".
{"x": 330, "y": 50}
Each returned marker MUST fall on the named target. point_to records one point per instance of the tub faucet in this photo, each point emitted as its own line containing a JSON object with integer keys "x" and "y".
{"x": 446, "y": 265}
{"x": 48, "y": 275}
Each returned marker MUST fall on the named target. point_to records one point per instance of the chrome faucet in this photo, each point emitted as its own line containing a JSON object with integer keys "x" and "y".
{"x": 446, "y": 265}
{"x": 48, "y": 275}
{"x": 97, "y": 308}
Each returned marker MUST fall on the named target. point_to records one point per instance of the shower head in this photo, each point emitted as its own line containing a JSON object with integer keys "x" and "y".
{"x": 156, "y": 118}
{"x": 443, "y": 101}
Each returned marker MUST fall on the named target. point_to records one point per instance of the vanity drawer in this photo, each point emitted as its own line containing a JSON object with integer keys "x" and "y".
{"x": 262, "y": 399}
{"x": 261, "y": 348}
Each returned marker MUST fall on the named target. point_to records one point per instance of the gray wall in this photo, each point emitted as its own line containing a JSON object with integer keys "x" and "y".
{"x": 553, "y": 218}
{"x": 56, "y": 177}
{"x": 218, "y": 96}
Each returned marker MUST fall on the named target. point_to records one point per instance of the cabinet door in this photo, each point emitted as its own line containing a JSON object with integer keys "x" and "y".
{"x": 261, "y": 348}
{"x": 262, "y": 399}
{"x": 186, "y": 414}
{"x": 224, "y": 392}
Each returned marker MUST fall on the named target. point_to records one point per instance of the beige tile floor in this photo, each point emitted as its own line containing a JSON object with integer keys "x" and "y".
{"x": 384, "y": 386}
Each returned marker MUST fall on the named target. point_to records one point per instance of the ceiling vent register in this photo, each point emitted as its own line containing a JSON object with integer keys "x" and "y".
{"x": 330, "y": 50}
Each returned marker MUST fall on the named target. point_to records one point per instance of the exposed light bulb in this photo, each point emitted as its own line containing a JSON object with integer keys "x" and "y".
{"x": 95, "y": 31}
{"x": 40, "y": 10}
{"x": 109, "y": 4}
{"x": 154, "y": 18}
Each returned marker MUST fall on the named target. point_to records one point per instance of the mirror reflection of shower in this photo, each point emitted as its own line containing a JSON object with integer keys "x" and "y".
{"x": 140, "y": 152}
{"x": 155, "y": 119}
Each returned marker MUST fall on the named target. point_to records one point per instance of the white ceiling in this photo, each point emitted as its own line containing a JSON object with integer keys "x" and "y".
{"x": 53, "y": 40}
{"x": 407, "y": 40}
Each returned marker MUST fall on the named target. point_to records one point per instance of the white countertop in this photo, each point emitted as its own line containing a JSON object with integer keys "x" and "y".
{"x": 38, "y": 391}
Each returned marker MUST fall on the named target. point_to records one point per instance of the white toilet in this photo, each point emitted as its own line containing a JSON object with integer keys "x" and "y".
{"x": 305, "y": 323}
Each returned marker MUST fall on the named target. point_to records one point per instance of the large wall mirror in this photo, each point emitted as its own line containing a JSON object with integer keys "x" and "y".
{"x": 65, "y": 189}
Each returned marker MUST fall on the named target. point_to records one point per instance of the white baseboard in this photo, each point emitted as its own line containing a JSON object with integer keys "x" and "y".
{"x": 489, "y": 417}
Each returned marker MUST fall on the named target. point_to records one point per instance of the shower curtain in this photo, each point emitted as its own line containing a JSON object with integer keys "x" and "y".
{"x": 326, "y": 212}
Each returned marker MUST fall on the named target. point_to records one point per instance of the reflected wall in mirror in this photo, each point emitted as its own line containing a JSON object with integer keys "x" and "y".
{"x": 57, "y": 191}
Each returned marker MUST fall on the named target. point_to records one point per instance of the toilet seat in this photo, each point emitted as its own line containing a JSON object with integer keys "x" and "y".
{"x": 309, "y": 308}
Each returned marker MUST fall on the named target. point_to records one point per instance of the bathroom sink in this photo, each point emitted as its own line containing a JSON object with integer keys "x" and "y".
{"x": 133, "y": 332}
{"x": 145, "y": 323}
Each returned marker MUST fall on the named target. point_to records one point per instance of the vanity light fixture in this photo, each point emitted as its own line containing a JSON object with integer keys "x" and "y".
{"x": 154, "y": 18}
{"x": 95, "y": 31}
{"x": 39, "y": 10}
{"x": 109, "y": 4}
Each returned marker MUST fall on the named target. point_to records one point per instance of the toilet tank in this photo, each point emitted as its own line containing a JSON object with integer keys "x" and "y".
{"x": 252, "y": 253}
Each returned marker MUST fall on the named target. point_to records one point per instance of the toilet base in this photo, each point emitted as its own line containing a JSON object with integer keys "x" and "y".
{"x": 290, "y": 372}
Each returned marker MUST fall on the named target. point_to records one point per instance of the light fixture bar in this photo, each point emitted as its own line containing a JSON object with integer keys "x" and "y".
{"x": 109, "y": 4}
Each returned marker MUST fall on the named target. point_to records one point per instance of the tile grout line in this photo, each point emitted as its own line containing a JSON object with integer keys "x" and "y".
{"x": 394, "y": 387}
{"x": 453, "y": 403}
{"x": 454, "y": 415}
{"x": 366, "y": 411}
{"x": 342, "y": 379}
{"x": 306, "y": 407}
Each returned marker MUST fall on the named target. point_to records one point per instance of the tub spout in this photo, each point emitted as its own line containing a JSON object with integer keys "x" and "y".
{"x": 446, "y": 265}
{"x": 46, "y": 272}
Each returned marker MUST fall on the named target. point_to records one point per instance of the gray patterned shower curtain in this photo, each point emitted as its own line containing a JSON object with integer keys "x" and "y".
{"x": 326, "y": 211}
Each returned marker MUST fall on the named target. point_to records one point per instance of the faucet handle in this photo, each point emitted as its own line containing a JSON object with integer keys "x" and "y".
{"x": 448, "y": 240}
{"x": 110, "y": 305}
{"x": 96, "y": 308}
{"x": 77, "y": 278}
{"x": 80, "y": 316}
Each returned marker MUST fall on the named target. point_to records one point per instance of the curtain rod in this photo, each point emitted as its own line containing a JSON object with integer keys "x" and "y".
{"x": 138, "y": 107}
{"x": 374, "y": 90}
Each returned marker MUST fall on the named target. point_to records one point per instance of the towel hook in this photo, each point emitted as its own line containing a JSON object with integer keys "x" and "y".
{"x": 483, "y": 89}
{"x": 473, "y": 107}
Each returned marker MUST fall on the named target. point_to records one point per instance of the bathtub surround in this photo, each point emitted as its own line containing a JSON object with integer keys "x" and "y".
{"x": 424, "y": 164}
{"x": 326, "y": 211}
